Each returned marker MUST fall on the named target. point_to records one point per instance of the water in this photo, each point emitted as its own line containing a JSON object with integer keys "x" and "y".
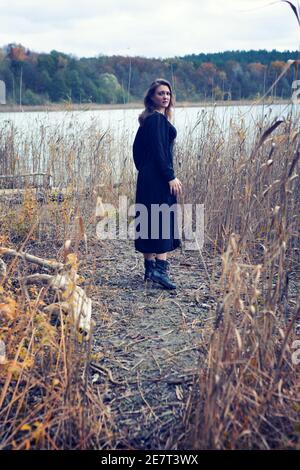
{"x": 126, "y": 120}
{"x": 36, "y": 133}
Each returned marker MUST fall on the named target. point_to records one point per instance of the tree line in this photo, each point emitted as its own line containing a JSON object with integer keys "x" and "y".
{"x": 38, "y": 78}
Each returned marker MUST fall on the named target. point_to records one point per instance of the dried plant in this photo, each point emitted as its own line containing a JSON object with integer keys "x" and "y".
{"x": 246, "y": 394}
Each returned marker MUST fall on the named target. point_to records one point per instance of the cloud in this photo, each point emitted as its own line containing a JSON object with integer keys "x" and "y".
{"x": 151, "y": 29}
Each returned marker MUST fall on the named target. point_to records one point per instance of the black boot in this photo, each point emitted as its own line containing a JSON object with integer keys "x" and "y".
{"x": 160, "y": 275}
{"x": 149, "y": 267}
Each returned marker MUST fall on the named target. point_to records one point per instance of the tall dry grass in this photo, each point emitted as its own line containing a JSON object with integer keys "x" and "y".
{"x": 66, "y": 167}
{"x": 46, "y": 401}
{"x": 246, "y": 394}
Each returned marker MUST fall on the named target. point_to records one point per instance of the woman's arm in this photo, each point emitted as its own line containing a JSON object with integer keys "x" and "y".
{"x": 158, "y": 134}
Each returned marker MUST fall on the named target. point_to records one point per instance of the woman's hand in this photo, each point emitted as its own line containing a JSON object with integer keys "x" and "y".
{"x": 175, "y": 186}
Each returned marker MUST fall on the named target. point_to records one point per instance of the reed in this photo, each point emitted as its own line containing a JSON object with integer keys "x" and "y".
{"x": 46, "y": 401}
{"x": 246, "y": 393}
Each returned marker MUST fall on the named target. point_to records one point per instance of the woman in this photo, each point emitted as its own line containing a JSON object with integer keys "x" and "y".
{"x": 156, "y": 226}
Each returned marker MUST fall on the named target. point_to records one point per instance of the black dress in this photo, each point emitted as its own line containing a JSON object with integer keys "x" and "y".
{"x": 153, "y": 158}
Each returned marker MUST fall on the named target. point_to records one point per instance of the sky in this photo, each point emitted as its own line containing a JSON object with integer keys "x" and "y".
{"x": 87, "y": 28}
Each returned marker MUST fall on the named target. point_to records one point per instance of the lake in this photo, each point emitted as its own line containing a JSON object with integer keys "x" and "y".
{"x": 120, "y": 120}
{"x": 35, "y": 134}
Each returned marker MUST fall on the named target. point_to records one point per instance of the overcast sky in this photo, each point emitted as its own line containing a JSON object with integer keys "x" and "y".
{"x": 164, "y": 28}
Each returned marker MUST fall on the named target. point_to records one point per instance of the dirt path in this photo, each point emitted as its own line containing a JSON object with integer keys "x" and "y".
{"x": 146, "y": 340}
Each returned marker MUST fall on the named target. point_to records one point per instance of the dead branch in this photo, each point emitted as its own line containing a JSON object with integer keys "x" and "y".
{"x": 31, "y": 258}
{"x": 74, "y": 300}
{"x": 37, "y": 277}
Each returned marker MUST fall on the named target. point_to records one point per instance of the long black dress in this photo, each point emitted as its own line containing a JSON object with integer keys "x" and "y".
{"x": 153, "y": 158}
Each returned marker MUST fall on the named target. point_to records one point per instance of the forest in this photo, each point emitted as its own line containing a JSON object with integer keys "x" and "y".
{"x": 33, "y": 78}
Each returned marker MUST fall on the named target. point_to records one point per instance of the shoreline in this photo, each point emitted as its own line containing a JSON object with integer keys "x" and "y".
{"x": 56, "y": 107}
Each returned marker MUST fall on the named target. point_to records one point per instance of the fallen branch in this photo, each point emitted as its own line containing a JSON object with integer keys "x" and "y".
{"x": 74, "y": 300}
{"x": 31, "y": 258}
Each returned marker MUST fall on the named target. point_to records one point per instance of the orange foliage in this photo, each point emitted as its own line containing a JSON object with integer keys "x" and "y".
{"x": 18, "y": 53}
{"x": 257, "y": 67}
{"x": 278, "y": 64}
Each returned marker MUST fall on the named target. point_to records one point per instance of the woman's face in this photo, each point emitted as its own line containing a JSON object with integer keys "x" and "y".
{"x": 161, "y": 98}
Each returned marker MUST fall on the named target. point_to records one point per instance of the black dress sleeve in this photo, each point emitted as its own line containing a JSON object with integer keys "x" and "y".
{"x": 138, "y": 149}
{"x": 158, "y": 134}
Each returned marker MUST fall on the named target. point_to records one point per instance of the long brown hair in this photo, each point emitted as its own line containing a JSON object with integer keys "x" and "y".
{"x": 149, "y": 105}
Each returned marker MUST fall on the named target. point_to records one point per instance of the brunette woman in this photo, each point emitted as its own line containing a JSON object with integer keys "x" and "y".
{"x": 157, "y": 186}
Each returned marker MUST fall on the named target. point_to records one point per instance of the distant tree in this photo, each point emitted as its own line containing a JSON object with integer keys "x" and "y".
{"x": 31, "y": 98}
{"x": 119, "y": 79}
{"x": 58, "y": 89}
{"x": 74, "y": 83}
{"x": 17, "y": 52}
{"x": 46, "y": 62}
{"x": 109, "y": 89}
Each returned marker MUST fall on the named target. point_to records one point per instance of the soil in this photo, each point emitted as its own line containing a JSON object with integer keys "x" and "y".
{"x": 147, "y": 341}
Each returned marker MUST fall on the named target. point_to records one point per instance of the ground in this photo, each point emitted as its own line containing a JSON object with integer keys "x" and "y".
{"x": 149, "y": 340}
{"x": 146, "y": 341}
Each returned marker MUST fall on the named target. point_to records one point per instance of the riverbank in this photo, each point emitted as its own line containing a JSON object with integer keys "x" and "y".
{"x": 55, "y": 107}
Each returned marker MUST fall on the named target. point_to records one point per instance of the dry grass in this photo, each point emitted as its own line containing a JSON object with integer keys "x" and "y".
{"x": 247, "y": 392}
{"x": 46, "y": 401}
